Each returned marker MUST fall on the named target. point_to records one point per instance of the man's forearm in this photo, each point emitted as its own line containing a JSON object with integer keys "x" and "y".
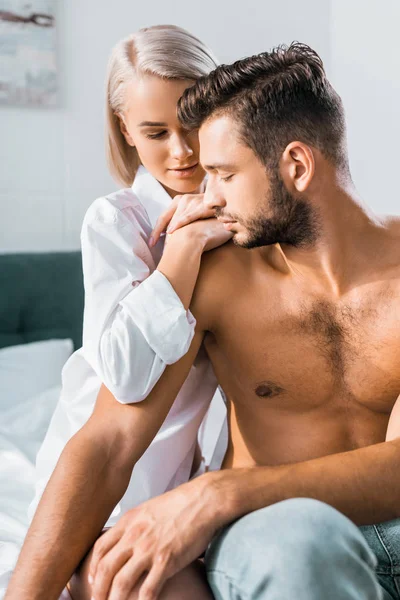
{"x": 363, "y": 484}
{"x": 79, "y": 498}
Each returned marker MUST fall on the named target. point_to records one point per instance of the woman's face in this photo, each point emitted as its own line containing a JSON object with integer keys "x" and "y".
{"x": 149, "y": 122}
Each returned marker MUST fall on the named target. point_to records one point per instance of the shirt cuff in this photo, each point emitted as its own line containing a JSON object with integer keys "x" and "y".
{"x": 157, "y": 311}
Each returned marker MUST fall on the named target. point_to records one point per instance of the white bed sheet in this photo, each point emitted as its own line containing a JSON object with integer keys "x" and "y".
{"x": 24, "y": 419}
{"x": 30, "y": 385}
{"x": 21, "y": 434}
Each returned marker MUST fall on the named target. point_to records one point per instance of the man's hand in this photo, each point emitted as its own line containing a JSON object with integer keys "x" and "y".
{"x": 157, "y": 539}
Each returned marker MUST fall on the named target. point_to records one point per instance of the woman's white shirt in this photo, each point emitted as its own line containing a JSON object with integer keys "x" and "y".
{"x": 134, "y": 322}
{"x": 134, "y": 326}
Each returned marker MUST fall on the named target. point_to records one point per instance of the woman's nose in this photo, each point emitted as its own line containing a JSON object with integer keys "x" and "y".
{"x": 180, "y": 149}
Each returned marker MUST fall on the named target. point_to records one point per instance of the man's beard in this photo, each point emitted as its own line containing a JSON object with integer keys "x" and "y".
{"x": 293, "y": 221}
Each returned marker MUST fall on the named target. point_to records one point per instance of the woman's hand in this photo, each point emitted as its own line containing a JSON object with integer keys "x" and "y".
{"x": 182, "y": 211}
{"x": 181, "y": 258}
{"x": 210, "y": 231}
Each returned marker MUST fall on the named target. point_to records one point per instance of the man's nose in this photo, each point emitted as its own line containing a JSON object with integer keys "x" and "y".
{"x": 180, "y": 149}
{"x": 212, "y": 199}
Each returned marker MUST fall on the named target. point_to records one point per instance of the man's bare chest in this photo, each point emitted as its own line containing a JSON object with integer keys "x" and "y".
{"x": 301, "y": 351}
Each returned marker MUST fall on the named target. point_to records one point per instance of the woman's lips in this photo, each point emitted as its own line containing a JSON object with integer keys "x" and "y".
{"x": 185, "y": 173}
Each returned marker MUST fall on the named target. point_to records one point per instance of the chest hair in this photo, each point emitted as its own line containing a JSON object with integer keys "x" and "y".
{"x": 335, "y": 333}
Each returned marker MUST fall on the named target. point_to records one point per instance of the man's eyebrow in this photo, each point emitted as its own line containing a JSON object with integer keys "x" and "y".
{"x": 221, "y": 166}
{"x": 152, "y": 124}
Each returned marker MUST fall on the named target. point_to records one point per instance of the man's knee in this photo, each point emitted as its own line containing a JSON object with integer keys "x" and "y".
{"x": 299, "y": 534}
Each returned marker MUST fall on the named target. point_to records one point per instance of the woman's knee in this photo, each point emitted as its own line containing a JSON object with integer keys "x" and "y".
{"x": 191, "y": 583}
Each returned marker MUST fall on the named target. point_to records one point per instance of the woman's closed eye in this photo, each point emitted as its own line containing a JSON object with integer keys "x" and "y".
{"x": 156, "y": 136}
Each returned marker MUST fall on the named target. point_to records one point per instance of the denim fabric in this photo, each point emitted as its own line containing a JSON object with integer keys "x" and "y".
{"x": 384, "y": 539}
{"x": 303, "y": 549}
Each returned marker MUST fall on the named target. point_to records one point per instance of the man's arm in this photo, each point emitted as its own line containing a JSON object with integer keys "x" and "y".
{"x": 173, "y": 529}
{"x": 393, "y": 430}
{"x": 363, "y": 484}
{"x": 90, "y": 478}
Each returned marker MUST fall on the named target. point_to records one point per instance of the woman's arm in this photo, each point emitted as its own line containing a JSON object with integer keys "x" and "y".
{"x": 136, "y": 321}
{"x": 89, "y": 480}
{"x": 180, "y": 262}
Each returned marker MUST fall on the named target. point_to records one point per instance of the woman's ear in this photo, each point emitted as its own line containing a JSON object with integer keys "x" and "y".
{"x": 124, "y": 129}
{"x": 297, "y": 166}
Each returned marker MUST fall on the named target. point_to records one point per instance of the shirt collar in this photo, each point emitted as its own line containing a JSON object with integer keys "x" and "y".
{"x": 151, "y": 194}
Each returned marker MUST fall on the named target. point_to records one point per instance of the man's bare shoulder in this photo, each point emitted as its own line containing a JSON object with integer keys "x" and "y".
{"x": 391, "y": 226}
{"x": 392, "y": 223}
{"x": 219, "y": 274}
{"x": 216, "y": 261}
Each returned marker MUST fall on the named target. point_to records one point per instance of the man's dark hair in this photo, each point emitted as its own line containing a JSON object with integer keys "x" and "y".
{"x": 276, "y": 97}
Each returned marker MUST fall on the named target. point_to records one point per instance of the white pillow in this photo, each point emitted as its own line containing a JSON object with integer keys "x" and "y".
{"x": 30, "y": 385}
{"x": 30, "y": 369}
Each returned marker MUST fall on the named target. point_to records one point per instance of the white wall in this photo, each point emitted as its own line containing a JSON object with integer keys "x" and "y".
{"x": 365, "y": 64}
{"x": 52, "y": 163}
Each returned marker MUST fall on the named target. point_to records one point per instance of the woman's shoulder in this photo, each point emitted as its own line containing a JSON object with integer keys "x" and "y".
{"x": 113, "y": 208}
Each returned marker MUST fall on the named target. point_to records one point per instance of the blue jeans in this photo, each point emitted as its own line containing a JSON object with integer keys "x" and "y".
{"x": 303, "y": 549}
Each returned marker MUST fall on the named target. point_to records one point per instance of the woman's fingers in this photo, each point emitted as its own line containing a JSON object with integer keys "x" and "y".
{"x": 162, "y": 223}
{"x": 183, "y": 210}
{"x": 194, "y": 214}
{"x": 181, "y": 220}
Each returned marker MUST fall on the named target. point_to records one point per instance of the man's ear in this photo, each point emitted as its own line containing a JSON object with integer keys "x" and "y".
{"x": 124, "y": 129}
{"x": 297, "y": 166}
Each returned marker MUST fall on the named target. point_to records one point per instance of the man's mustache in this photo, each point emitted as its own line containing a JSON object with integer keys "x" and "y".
{"x": 221, "y": 215}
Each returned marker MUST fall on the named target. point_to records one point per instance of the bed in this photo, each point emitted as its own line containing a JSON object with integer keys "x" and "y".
{"x": 41, "y": 310}
{"x": 41, "y": 297}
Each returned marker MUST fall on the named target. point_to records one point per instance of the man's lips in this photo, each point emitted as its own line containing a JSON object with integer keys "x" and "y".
{"x": 225, "y": 220}
{"x": 226, "y": 223}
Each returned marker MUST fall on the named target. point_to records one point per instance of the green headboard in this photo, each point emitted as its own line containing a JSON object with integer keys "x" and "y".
{"x": 41, "y": 297}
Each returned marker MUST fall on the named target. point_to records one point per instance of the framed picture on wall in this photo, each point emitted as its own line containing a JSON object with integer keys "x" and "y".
{"x": 28, "y": 66}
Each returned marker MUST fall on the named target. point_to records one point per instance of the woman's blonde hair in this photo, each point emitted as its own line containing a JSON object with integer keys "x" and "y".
{"x": 166, "y": 51}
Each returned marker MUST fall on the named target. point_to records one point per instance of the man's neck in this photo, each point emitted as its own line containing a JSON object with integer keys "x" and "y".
{"x": 348, "y": 237}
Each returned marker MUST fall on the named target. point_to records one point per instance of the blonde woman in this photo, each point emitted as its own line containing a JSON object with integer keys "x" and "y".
{"x": 136, "y": 319}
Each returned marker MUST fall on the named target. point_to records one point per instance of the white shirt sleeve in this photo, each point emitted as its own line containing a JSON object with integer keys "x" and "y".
{"x": 134, "y": 322}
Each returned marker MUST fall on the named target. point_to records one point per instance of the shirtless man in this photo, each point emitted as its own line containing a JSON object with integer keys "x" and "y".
{"x": 300, "y": 319}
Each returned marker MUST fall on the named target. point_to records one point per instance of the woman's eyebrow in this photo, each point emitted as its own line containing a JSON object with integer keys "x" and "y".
{"x": 152, "y": 124}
